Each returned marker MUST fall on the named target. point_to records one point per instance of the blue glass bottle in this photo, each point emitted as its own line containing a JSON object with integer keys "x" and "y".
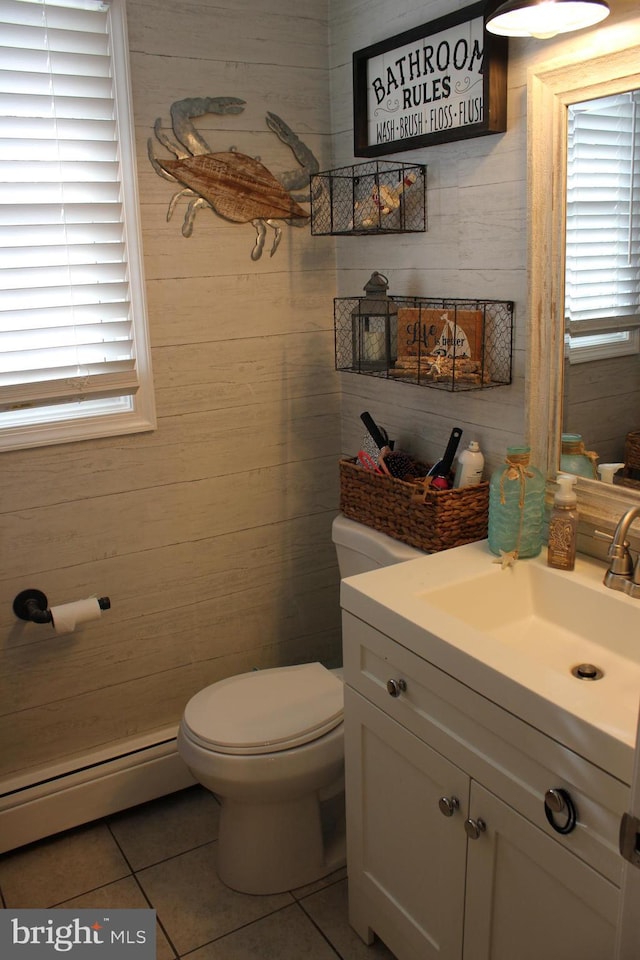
{"x": 516, "y": 506}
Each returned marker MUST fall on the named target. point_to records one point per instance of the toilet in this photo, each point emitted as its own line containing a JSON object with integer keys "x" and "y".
{"x": 269, "y": 744}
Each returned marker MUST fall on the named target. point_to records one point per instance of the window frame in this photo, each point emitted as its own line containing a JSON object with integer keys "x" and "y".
{"x": 141, "y": 416}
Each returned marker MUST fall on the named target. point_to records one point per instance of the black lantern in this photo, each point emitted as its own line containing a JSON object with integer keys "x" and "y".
{"x": 374, "y": 327}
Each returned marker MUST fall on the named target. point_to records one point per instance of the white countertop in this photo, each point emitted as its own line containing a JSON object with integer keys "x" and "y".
{"x": 513, "y": 634}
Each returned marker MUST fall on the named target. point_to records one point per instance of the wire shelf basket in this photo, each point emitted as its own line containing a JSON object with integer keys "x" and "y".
{"x": 378, "y": 197}
{"x": 443, "y": 343}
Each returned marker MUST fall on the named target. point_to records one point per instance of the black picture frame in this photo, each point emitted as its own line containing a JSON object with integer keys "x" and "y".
{"x": 432, "y": 110}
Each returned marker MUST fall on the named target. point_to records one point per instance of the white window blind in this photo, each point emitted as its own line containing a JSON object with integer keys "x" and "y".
{"x": 73, "y": 340}
{"x": 602, "y": 276}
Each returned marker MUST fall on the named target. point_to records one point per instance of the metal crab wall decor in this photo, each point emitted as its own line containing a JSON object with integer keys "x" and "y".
{"x": 237, "y": 187}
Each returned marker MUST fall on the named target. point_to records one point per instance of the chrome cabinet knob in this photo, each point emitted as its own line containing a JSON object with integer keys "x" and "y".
{"x": 448, "y": 806}
{"x": 396, "y": 687}
{"x": 559, "y": 801}
{"x": 554, "y": 800}
{"x": 473, "y": 828}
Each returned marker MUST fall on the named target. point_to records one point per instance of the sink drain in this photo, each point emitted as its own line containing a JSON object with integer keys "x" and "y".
{"x": 587, "y": 671}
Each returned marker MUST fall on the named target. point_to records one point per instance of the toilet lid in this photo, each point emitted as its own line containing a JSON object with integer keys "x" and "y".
{"x": 266, "y": 711}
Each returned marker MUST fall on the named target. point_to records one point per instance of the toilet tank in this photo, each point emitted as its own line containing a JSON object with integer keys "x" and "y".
{"x": 361, "y": 548}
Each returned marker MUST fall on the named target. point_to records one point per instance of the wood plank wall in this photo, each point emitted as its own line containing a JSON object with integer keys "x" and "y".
{"x": 475, "y": 246}
{"x": 476, "y": 243}
{"x": 211, "y": 535}
{"x": 602, "y": 404}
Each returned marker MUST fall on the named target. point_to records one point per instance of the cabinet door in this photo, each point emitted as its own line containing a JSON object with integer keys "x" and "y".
{"x": 406, "y": 859}
{"x": 528, "y": 896}
{"x": 628, "y": 943}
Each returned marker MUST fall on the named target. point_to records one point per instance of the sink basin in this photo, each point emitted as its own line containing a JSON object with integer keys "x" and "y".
{"x": 553, "y": 621}
{"x": 515, "y": 634}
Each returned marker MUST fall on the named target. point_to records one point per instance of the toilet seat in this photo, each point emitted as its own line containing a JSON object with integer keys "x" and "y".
{"x": 266, "y": 711}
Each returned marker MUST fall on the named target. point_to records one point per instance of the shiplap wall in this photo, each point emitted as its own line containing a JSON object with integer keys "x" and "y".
{"x": 475, "y": 246}
{"x": 602, "y": 404}
{"x": 211, "y": 535}
{"x": 476, "y": 243}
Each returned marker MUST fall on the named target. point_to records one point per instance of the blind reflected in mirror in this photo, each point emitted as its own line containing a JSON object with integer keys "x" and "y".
{"x": 602, "y": 278}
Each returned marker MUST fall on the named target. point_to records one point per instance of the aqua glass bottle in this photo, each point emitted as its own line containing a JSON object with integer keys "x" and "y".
{"x": 516, "y": 506}
{"x": 575, "y": 459}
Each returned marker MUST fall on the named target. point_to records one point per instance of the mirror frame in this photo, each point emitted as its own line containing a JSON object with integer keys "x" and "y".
{"x": 550, "y": 90}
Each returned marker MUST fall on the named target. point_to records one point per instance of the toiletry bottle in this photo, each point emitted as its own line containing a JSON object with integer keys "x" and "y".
{"x": 516, "y": 506}
{"x": 470, "y": 466}
{"x": 563, "y": 525}
{"x": 607, "y": 471}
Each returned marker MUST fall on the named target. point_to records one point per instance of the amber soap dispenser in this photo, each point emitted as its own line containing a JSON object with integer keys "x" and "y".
{"x": 563, "y": 525}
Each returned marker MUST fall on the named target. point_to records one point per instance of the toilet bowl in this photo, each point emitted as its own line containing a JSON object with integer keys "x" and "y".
{"x": 269, "y": 744}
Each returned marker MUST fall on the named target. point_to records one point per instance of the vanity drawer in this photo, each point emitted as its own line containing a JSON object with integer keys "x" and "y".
{"x": 509, "y": 757}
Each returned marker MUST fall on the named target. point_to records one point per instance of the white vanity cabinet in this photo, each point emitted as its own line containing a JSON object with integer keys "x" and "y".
{"x": 450, "y": 854}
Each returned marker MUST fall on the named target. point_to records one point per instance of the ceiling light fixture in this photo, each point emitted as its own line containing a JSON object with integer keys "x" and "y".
{"x": 544, "y": 18}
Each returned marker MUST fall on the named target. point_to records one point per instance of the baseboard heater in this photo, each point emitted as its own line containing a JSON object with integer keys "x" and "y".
{"x": 67, "y": 794}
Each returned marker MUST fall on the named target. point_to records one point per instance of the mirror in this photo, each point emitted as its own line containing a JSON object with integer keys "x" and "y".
{"x": 550, "y": 92}
{"x": 601, "y": 396}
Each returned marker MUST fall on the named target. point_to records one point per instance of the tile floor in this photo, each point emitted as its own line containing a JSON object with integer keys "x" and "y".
{"x": 162, "y": 854}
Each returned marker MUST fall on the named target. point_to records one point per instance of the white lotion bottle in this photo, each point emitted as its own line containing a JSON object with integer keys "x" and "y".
{"x": 470, "y": 466}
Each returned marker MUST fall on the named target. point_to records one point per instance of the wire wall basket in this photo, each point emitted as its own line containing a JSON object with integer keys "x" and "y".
{"x": 379, "y": 197}
{"x": 446, "y": 344}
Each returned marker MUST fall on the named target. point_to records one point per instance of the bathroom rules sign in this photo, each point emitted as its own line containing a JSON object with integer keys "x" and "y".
{"x": 446, "y": 80}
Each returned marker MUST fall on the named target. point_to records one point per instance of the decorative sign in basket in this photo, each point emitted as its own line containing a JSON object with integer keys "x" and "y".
{"x": 428, "y": 519}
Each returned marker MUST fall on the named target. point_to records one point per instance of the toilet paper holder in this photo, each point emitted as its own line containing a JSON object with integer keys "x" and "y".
{"x": 33, "y": 605}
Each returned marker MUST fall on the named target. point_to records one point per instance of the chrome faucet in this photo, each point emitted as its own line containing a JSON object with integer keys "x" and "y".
{"x": 622, "y": 574}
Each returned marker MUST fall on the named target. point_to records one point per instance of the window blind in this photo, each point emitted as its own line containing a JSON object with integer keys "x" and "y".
{"x": 602, "y": 278}
{"x": 66, "y": 324}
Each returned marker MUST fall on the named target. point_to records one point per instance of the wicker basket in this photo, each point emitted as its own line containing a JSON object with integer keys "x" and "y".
{"x": 444, "y": 519}
{"x": 632, "y": 455}
{"x": 630, "y": 476}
